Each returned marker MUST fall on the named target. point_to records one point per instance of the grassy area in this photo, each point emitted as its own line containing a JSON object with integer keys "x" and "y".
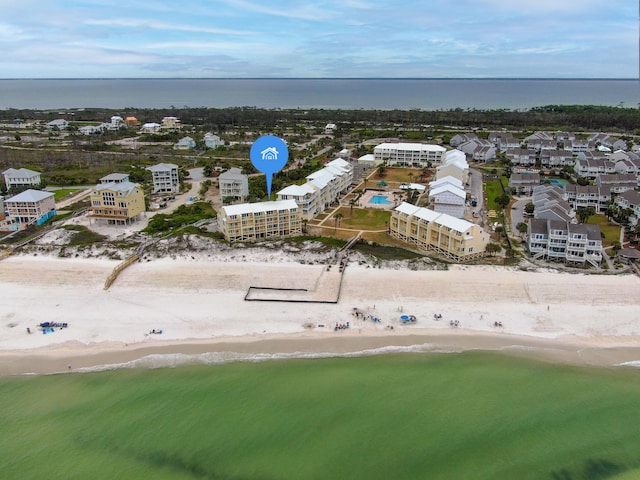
{"x": 610, "y": 230}
{"x": 472, "y": 415}
{"x": 183, "y": 215}
{"x": 493, "y": 189}
{"x": 64, "y": 193}
{"x": 361, "y": 218}
{"x": 396, "y": 175}
{"x": 83, "y": 236}
{"x": 383, "y": 252}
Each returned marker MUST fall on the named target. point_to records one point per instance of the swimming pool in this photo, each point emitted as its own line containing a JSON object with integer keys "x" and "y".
{"x": 380, "y": 200}
{"x": 558, "y": 183}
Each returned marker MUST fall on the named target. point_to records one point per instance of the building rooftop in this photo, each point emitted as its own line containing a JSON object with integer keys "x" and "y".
{"x": 260, "y": 207}
{"x": 29, "y": 196}
{"x": 162, "y": 167}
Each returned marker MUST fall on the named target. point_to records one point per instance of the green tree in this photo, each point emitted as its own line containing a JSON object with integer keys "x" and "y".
{"x": 584, "y": 213}
{"x": 503, "y": 200}
{"x": 336, "y": 219}
{"x": 529, "y": 208}
{"x": 522, "y": 228}
{"x": 582, "y": 181}
{"x": 492, "y": 249}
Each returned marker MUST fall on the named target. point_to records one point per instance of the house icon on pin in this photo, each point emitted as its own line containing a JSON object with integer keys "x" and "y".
{"x": 269, "y": 153}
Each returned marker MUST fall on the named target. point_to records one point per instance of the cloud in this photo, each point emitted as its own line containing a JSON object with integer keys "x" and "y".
{"x": 154, "y": 25}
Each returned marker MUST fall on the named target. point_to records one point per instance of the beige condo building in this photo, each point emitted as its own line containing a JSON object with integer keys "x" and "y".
{"x": 453, "y": 237}
{"x": 258, "y": 221}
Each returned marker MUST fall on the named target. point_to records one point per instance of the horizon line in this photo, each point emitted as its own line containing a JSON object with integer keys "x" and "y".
{"x": 323, "y": 78}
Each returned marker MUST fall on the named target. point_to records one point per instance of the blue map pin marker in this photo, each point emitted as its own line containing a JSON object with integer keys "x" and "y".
{"x": 269, "y": 155}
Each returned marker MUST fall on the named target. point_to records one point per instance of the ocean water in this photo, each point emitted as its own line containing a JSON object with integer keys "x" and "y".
{"x": 422, "y": 94}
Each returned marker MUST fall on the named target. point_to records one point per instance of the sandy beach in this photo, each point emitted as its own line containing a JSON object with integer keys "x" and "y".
{"x": 200, "y": 307}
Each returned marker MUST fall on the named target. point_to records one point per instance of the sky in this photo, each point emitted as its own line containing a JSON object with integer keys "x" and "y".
{"x": 319, "y": 39}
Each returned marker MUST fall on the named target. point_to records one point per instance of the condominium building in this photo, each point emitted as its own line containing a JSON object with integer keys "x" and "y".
{"x": 565, "y": 242}
{"x": 453, "y": 237}
{"x": 165, "y": 178}
{"x": 550, "y": 203}
{"x": 630, "y": 200}
{"x": 617, "y": 182}
{"x": 556, "y": 158}
{"x": 117, "y": 203}
{"x": 418, "y": 155}
{"x": 522, "y": 156}
{"x": 233, "y": 184}
{"x": 21, "y": 178}
{"x": 31, "y": 206}
{"x": 449, "y": 199}
{"x": 523, "y": 183}
{"x": 258, "y": 221}
{"x": 581, "y": 196}
{"x": 323, "y": 188}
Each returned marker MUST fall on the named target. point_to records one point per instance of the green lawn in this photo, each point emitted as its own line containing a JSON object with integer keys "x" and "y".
{"x": 413, "y": 416}
{"x": 362, "y": 218}
{"x": 63, "y": 193}
{"x": 397, "y": 175}
{"x": 492, "y": 191}
{"x": 611, "y": 231}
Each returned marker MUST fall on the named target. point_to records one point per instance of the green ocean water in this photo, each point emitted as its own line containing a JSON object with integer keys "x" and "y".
{"x": 403, "y": 416}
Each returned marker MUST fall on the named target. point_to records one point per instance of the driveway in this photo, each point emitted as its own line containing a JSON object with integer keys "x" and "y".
{"x": 517, "y": 213}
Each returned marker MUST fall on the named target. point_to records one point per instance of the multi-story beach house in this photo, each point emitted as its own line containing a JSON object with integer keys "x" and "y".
{"x": 550, "y": 203}
{"x": 522, "y": 156}
{"x": 578, "y": 145}
{"x": 233, "y": 184}
{"x": 417, "y": 155}
{"x": 581, "y": 196}
{"x": 212, "y": 141}
{"x": 630, "y": 200}
{"x": 29, "y": 207}
{"x": 185, "y": 143}
{"x": 170, "y": 123}
{"x": 259, "y": 221}
{"x": 617, "y": 182}
{"x": 523, "y": 183}
{"x": 117, "y": 203}
{"x": 566, "y": 242}
{"x": 455, "y": 238}
{"x": 150, "y": 127}
{"x": 448, "y": 199}
{"x": 461, "y": 138}
{"x": 478, "y": 150}
{"x": 454, "y": 165}
{"x": 58, "y": 124}
{"x": 165, "y": 178}
{"x": 592, "y": 167}
{"x": 556, "y": 158}
{"x": 115, "y": 178}
{"x": 21, "y": 178}
{"x": 504, "y": 141}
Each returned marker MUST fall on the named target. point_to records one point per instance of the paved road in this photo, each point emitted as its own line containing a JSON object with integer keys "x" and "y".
{"x": 517, "y": 213}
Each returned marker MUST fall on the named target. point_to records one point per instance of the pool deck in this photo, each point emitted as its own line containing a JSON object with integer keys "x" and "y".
{"x": 366, "y": 197}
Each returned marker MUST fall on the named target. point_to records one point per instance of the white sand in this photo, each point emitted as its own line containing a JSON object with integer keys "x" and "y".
{"x": 204, "y": 301}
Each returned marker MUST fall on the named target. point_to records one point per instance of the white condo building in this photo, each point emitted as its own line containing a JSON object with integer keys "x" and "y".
{"x": 418, "y": 155}
{"x": 233, "y": 184}
{"x": 323, "y": 187}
